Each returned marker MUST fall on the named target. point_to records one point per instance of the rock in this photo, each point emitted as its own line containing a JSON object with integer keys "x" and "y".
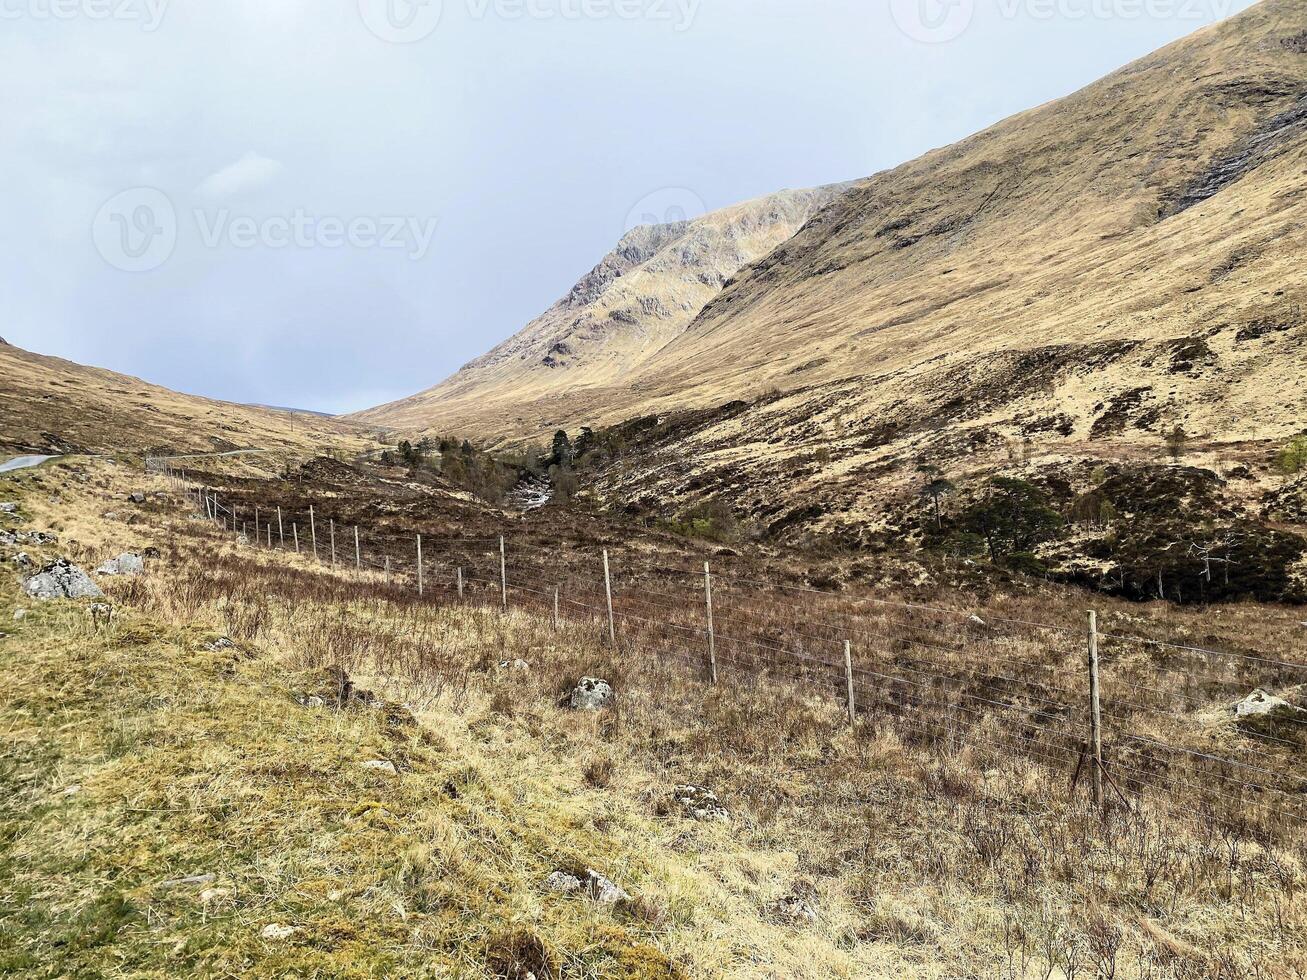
{"x": 110, "y": 515}
{"x": 20, "y": 615}
{"x": 381, "y": 765}
{"x": 22, "y": 560}
{"x": 220, "y": 644}
{"x": 561, "y": 881}
{"x": 591, "y": 694}
{"x": 101, "y": 614}
{"x": 602, "y": 890}
{"x": 795, "y": 909}
{"x": 125, "y": 564}
{"x": 62, "y": 580}
{"x": 700, "y": 803}
{"x": 211, "y": 896}
{"x": 136, "y": 498}
{"x": 1260, "y": 704}
{"x": 8, "y": 508}
{"x": 37, "y": 537}
{"x": 151, "y": 554}
{"x": 514, "y": 665}
{"x": 277, "y": 931}
{"x": 72, "y": 790}
{"x": 975, "y": 620}
{"x": 8, "y": 539}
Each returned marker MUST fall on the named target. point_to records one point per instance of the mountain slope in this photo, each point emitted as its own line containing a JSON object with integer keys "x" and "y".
{"x": 1113, "y": 264}
{"x": 637, "y": 299}
{"x": 50, "y": 404}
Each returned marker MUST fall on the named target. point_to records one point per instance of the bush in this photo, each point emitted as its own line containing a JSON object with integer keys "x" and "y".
{"x": 1293, "y": 457}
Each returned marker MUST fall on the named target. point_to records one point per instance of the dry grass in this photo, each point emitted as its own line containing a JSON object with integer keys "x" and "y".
{"x": 917, "y": 856}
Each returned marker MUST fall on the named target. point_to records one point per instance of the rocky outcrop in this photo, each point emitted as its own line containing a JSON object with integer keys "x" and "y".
{"x": 62, "y": 580}
{"x": 590, "y": 694}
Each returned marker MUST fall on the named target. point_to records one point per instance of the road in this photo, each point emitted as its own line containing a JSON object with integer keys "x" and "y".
{"x": 23, "y": 463}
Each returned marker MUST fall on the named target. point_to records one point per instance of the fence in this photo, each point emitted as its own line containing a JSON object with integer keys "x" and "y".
{"x": 1130, "y": 716}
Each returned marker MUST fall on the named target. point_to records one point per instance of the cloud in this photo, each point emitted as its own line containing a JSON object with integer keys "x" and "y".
{"x": 250, "y": 173}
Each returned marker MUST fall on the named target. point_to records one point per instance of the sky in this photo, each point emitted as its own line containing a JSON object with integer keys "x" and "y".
{"x": 330, "y": 204}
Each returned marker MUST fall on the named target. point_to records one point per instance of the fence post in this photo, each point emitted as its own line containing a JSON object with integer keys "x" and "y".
{"x": 608, "y": 591}
{"x": 313, "y": 532}
{"x": 295, "y": 529}
{"x": 419, "y": 564}
{"x": 256, "y": 526}
{"x": 358, "y": 554}
{"x": 1095, "y": 713}
{"x": 712, "y": 633}
{"x": 332, "y": 524}
{"x": 269, "y": 535}
{"x": 503, "y": 576}
{"x": 281, "y": 532}
{"x": 555, "y": 608}
{"x": 848, "y": 680}
{"x": 460, "y": 581}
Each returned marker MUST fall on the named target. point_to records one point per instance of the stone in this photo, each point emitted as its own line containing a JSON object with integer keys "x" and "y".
{"x": 1260, "y": 704}
{"x": 6, "y": 538}
{"x": 700, "y": 803}
{"x": 151, "y": 554}
{"x": 72, "y": 790}
{"x": 22, "y": 560}
{"x": 8, "y": 508}
{"x": 514, "y": 665}
{"x": 602, "y": 890}
{"x": 136, "y": 498}
{"x": 20, "y": 615}
{"x": 211, "y": 896}
{"x": 591, "y": 694}
{"x": 277, "y": 931}
{"x": 37, "y": 537}
{"x": 381, "y": 765}
{"x": 220, "y": 644}
{"x": 794, "y": 908}
{"x": 562, "y": 882}
{"x": 101, "y": 614}
{"x": 62, "y": 580}
{"x": 125, "y": 564}
{"x": 975, "y": 620}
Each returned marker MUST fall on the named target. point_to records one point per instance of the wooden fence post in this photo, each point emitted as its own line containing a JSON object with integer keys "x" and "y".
{"x": 1095, "y": 713}
{"x": 281, "y": 532}
{"x": 712, "y": 633}
{"x": 503, "y": 576}
{"x": 295, "y": 529}
{"x": 419, "y": 564}
{"x": 848, "y": 679}
{"x": 555, "y": 608}
{"x": 358, "y": 553}
{"x": 460, "y": 581}
{"x": 269, "y": 535}
{"x": 313, "y": 532}
{"x": 332, "y": 524}
{"x": 608, "y": 591}
{"x": 256, "y": 525}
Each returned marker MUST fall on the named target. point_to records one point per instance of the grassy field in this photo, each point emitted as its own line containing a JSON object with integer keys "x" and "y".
{"x": 137, "y": 757}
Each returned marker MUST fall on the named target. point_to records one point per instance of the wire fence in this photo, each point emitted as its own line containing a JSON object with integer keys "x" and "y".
{"x": 1133, "y": 717}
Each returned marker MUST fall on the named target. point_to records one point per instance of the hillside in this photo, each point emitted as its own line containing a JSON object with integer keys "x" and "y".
{"x": 1079, "y": 279}
{"x": 640, "y": 297}
{"x": 55, "y": 406}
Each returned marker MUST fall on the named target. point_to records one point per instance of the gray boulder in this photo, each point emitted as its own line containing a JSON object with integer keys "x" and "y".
{"x": 22, "y": 560}
{"x": 1260, "y": 704}
{"x": 8, "y": 508}
{"x": 136, "y": 498}
{"x": 6, "y": 538}
{"x": 125, "y": 564}
{"x": 602, "y": 890}
{"x": 591, "y": 694}
{"x": 563, "y": 883}
{"x": 38, "y": 537}
{"x": 700, "y": 803}
{"x": 62, "y": 580}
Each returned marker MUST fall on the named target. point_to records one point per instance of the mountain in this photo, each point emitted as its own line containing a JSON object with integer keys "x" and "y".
{"x": 640, "y": 297}
{"x": 52, "y": 405}
{"x": 1099, "y": 269}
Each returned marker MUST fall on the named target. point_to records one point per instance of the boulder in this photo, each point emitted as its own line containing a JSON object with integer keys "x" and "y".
{"x": 220, "y": 644}
{"x": 37, "y": 537}
{"x": 602, "y": 890}
{"x": 700, "y": 803}
{"x": 22, "y": 560}
{"x": 1260, "y": 704}
{"x": 62, "y": 580}
{"x": 8, "y": 508}
{"x": 136, "y": 498}
{"x": 591, "y": 694}
{"x": 563, "y": 883}
{"x": 6, "y": 538}
{"x": 125, "y": 564}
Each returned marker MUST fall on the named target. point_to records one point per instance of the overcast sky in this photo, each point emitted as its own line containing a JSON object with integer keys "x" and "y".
{"x": 328, "y": 204}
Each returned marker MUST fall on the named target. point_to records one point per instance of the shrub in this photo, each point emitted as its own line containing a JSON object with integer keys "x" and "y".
{"x": 1293, "y": 457}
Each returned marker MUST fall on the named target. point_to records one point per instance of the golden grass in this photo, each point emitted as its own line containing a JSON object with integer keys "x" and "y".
{"x": 918, "y": 858}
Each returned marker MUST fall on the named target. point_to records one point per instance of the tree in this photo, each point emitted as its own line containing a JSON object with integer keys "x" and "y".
{"x": 584, "y": 442}
{"x": 936, "y": 487}
{"x": 406, "y": 451}
{"x": 562, "y": 450}
{"x": 1014, "y": 517}
{"x": 1176, "y": 440}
